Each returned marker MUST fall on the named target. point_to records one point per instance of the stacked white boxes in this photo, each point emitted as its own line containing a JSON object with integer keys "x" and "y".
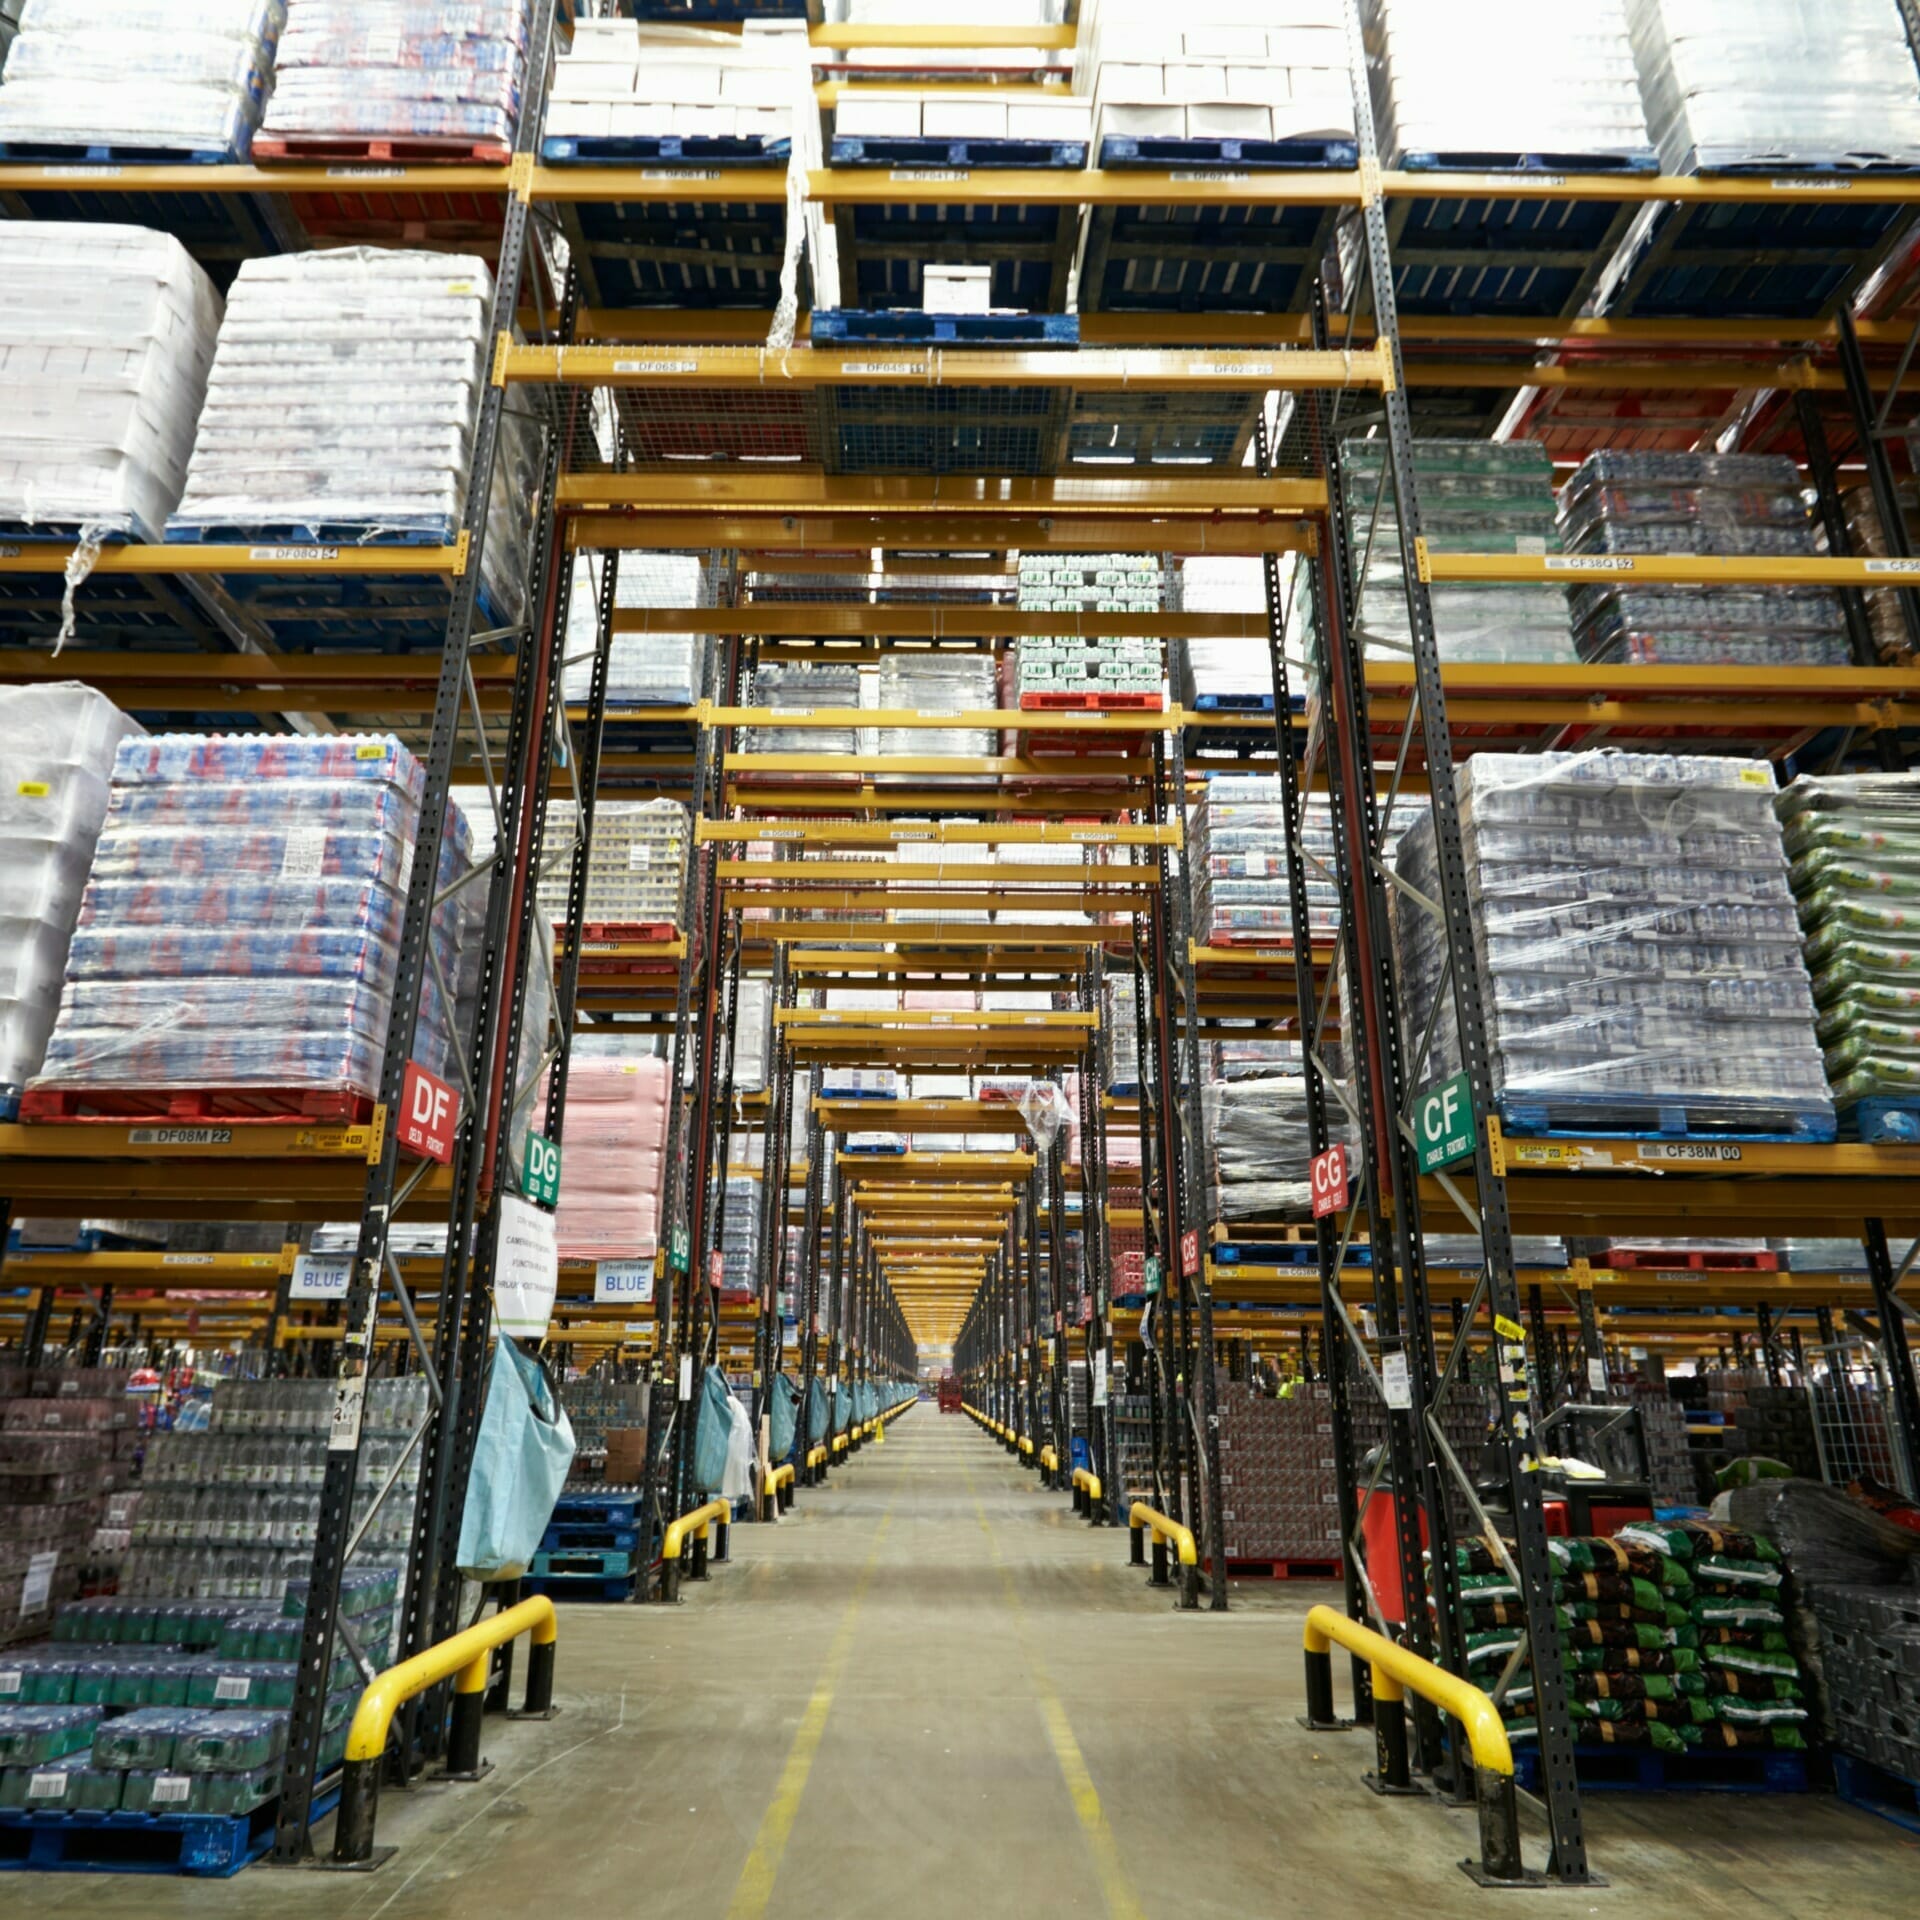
{"x": 106, "y": 336}
{"x": 141, "y": 76}
{"x": 60, "y": 743}
{"x": 402, "y": 69}
{"x": 1081, "y": 585}
{"x": 636, "y": 866}
{"x": 848, "y": 1083}
{"x": 628, "y": 79}
{"x": 1218, "y": 69}
{"x": 643, "y": 669}
{"x": 1777, "y": 83}
{"x": 954, "y": 114}
{"x": 342, "y": 393}
{"x": 752, "y": 1036}
{"x": 1222, "y": 667}
{"x": 1530, "y": 79}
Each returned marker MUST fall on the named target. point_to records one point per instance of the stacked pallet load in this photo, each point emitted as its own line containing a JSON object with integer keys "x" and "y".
{"x": 615, "y": 1122}
{"x": 399, "y": 80}
{"x": 1475, "y": 497}
{"x": 238, "y": 943}
{"x": 106, "y": 338}
{"x": 1867, "y": 537}
{"x": 1240, "y": 864}
{"x": 802, "y": 688}
{"x": 643, "y": 669}
{"x": 1224, "y": 674}
{"x": 1637, "y": 944}
{"x": 61, "y": 741}
{"x": 138, "y": 80}
{"x": 994, "y": 127}
{"x": 1279, "y": 1497}
{"x": 1550, "y": 87}
{"x": 1274, "y": 73}
{"x": 929, "y": 684}
{"x": 636, "y": 867}
{"x": 860, "y": 1083}
{"x": 1854, "y": 840}
{"x": 1073, "y": 670}
{"x": 1258, "y": 1146}
{"x": 1767, "y": 85}
{"x": 651, "y": 89}
{"x": 1744, "y": 505}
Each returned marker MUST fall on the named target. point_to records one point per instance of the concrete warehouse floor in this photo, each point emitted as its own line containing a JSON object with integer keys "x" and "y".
{"x": 930, "y": 1691}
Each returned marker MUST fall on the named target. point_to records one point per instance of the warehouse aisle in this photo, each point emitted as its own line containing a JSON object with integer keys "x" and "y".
{"x": 934, "y": 1692}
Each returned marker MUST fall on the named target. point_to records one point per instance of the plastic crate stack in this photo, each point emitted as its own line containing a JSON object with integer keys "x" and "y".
{"x": 1279, "y": 1498}
{"x": 1772, "y": 84}
{"x": 139, "y": 79}
{"x": 341, "y": 400}
{"x": 1222, "y": 70}
{"x": 1638, "y": 949}
{"x": 1119, "y": 1026}
{"x": 106, "y": 337}
{"x": 931, "y": 683}
{"x": 1240, "y": 872}
{"x": 740, "y": 1233}
{"x": 1072, "y": 662}
{"x": 1747, "y": 505}
{"x": 61, "y": 742}
{"x": 1475, "y": 497}
{"x": 636, "y": 866}
{"x": 405, "y": 71}
{"x": 240, "y": 935}
{"x": 1855, "y": 845}
{"x": 1529, "y": 84}
{"x": 1672, "y": 1639}
{"x": 643, "y": 669}
{"x": 626, "y": 81}
{"x": 615, "y": 1122}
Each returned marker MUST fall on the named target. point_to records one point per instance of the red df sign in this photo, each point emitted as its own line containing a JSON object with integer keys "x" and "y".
{"x": 1190, "y": 1252}
{"x": 1329, "y": 1180}
{"x": 717, "y": 1268}
{"x": 429, "y": 1112}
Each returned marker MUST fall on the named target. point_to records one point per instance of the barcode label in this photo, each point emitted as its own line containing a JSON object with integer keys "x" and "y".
{"x": 679, "y": 174}
{"x": 881, "y": 366}
{"x": 186, "y": 1259}
{"x": 1903, "y": 568}
{"x": 1811, "y": 186}
{"x": 48, "y": 1786}
{"x": 1212, "y": 173}
{"x": 638, "y": 857}
{"x": 83, "y": 172}
{"x": 656, "y": 366}
{"x": 169, "y": 1789}
{"x": 366, "y": 173}
{"x": 931, "y": 173}
{"x": 306, "y": 854}
{"x": 1234, "y": 370}
{"x": 293, "y": 556}
{"x": 179, "y": 1136}
{"x": 232, "y": 1686}
{"x": 1590, "y": 563}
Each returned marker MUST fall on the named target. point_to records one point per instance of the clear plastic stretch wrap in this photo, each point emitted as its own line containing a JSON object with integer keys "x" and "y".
{"x": 60, "y": 743}
{"x": 342, "y": 396}
{"x": 801, "y": 689}
{"x": 1747, "y": 505}
{"x": 404, "y": 69}
{"x": 740, "y": 1231}
{"x": 643, "y": 669}
{"x": 1868, "y": 539}
{"x": 143, "y": 77}
{"x": 1855, "y": 846}
{"x": 636, "y": 866}
{"x": 241, "y": 925}
{"x": 1252, "y": 1057}
{"x": 1259, "y": 1145}
{"x": 752, "y": 1035}
{"x": 1638, "y": 947}
{"x": 1237, "y": 838}
{"x": 1475, "y": 497}
{"x": 935, "y": 683}
{"x": 1777, "y": 83}
{"x": 616, "y": 1133}
{"x": 1557, "y": 79}
{"x": 1231, "y": 670}
{"x": 106, "y": 336}
{"x": 1120, "y": 1028}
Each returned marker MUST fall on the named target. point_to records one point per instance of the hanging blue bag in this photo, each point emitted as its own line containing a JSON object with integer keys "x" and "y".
{"x": 783, "y": 1415}
{"x": 714, "y": 1434}
{"x": 521, "y": 1456}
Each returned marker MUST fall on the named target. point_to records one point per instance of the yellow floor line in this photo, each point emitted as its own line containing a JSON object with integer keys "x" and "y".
{"x": 1115, "y": 1888}
{"x": 755, "y": 1886}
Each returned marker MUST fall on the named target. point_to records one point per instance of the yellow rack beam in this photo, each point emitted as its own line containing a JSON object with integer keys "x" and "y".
{"x": 927, "y": 35}
{"x": 928, "y": 1017}
{"x": 953, "y": 833}
{"x": 1198, "y": 531}
{"x": 1667, "y": 570}
{"x": 285, "y": 558}
{"x": 1014, "y": 500}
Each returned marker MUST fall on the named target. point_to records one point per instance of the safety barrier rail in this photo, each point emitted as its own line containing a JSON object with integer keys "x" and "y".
{"x": 713, "y": 1518}
{"x": 1142, "y": 1520}
{"x": 1396, "y": 1671}
{"x": 778, "y": 1496}
{"x": 1086, "y": 1496}
{"x": 463, "y": 1659}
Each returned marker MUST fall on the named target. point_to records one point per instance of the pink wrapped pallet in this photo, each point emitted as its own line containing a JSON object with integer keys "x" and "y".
{"x": 615, "y": 1140}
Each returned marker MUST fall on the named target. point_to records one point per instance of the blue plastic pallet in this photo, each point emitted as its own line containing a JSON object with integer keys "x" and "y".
{"x": 588, "y": 1587}
{"x": 1164, "y": 150}
{"x": 608, "y": 1564}
{"x": 845, "y": 1094}
{"x": 1874, "y": 1790}
{"x": 10, "y": 1110}
{"x": 903, "y": 327}
{"x": 1882, "y": 1123}
{"x": 1462, "y": 160}
{"x": 1645, "y": 1770}
{"x": 1239, "y": 702}
{"x": 922, "y": 150}
{"x": 60, "y": 533}
{"x": 848, "y": 1147}
{"x": 1278, "y": 1253}
{"x": 41, "y": 153}
{"x": 597, "y": 1509}
{"x": 576, "y": 1536}
{"x": 1653, "y": 1120}
{"x": 423, "y": 531}
{"x": 699, "y": 13}
{"x": 677, "y": 150}
{"x": 208, "y": 1846}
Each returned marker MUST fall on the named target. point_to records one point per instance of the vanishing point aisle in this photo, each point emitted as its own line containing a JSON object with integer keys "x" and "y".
{"x": 933, "y": 1692}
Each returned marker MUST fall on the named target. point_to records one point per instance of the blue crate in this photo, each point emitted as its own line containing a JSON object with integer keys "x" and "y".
{"x": 1874, "y": 1790}
{"x": 208, "y": 1846}
{"x": 1275, "y": 1253}
{"x": 1124, "y": 1089}
{"x": 1270, "y": 156}
{"x": 84, "y": 1239}
{"x": 10, "y": 1108}
{"x": 1241, "y": 702}
{"x": 1882, "y": 1123}
{"x": 1597, "y": 1117}
{"x": 1461, "y": 160}
{"x": 1643, "y": 1770}
{"x": 848, "y": 1094}
{"x": 560, "y": 1587}
{"x": 872, "y": 1152}
{"x": 675, "y": 150}
{"x": 903, "y": 327}
{"x": 924, "y": 151}
{"x": 424, "y": 530}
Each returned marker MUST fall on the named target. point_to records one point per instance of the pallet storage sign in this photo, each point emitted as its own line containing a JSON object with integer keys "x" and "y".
{"x": 527, "y": 1272}
{"x": 1443, "y": 1125}
{"x": 1329, "y": 1181}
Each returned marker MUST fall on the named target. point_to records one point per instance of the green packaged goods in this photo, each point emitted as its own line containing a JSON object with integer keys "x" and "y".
{"x": 160, "y": 1790}
{"x": 240, "y": 1792}
{"x": 30, "y": 1736}
{"x": 143, "y": 1738}
{"x": 231, "y": 1742}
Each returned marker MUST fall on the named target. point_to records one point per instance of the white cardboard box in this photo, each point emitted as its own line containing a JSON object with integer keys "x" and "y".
{"x": 1050, "y": 119}
{"x": 956, "y": 289}
{"x": 680, "y": 83}
{"x": 770, "y": 123}
{"x": 711, "y": 118}
{"x": 1229, "y": 120}
{"x": 578, "y": 118}
{"x": 877, "y": 116}
{"x": 639, "y": 120}
{"x": 1128, "y": 80}
{"x": 757, "y": 87}
{"x": 1224, "y": 43}
{"x": 1271, "y": 86}
{"x": 962, "y": 119}
{"x": 1189, "y": 81}
{"x": 592, "y": 82}
{"x": 1142, "y": 119}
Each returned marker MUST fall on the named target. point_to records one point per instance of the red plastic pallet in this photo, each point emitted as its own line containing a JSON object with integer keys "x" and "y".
{"x": 228, "y": 1106}
{"x": 298, "y": 149}
{"x": 1281, "y": 1569}
{"x": 630, "y": 933}
{"x": 1651, "y": 1260}
{"x": 1093, "y": 703}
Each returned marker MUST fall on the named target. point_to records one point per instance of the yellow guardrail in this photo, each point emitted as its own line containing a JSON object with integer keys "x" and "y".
{"x": 1398, "y": 1671}
{"x": 1086, "y": 1495}
{"x": 465, "y": 1660}
{"x": 777, "y": 1496}
{"x": 1143, "y": 1520}
{"x": 1026, "y": 1446}
{"x": 1049, "y": 1459}
{"x": 713, "y": 1518}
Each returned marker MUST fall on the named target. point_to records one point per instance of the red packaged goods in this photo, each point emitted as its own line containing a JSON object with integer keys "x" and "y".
{"x": 615, "y": 1135}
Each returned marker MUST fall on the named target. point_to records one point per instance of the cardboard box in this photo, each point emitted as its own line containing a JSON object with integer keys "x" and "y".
{"x": 877, "y": 116}
{"x": 1224, "y": 43}
{"x": 572, "y": 81}
{"x": 626, "y": 1456}
{"x": 957, "y": 290}
{"x": 705, "y": 117}
{"x": 639, "y": 120}
{"x": 757, "y": 87}
{"x": 1270, "y": 86}
{"x": 1050, "y": 119}
{"x": 963, "y": 119}
{"x": 680, "y": 83}
{"x": 1229, "y": 120}
{"x": 1189, "y": 81}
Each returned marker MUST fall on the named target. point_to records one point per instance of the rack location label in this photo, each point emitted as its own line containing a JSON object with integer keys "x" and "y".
{"x": 429, "y": 1113}
{"x": 1328, "y": 1179}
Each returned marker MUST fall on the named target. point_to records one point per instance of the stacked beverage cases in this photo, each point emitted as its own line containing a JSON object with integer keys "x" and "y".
{"x": 1745, "y": 505}
{"x": 241, "y": 928}
{"x": 1638, "y": 947}
{"x": 1241, "y": 889}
